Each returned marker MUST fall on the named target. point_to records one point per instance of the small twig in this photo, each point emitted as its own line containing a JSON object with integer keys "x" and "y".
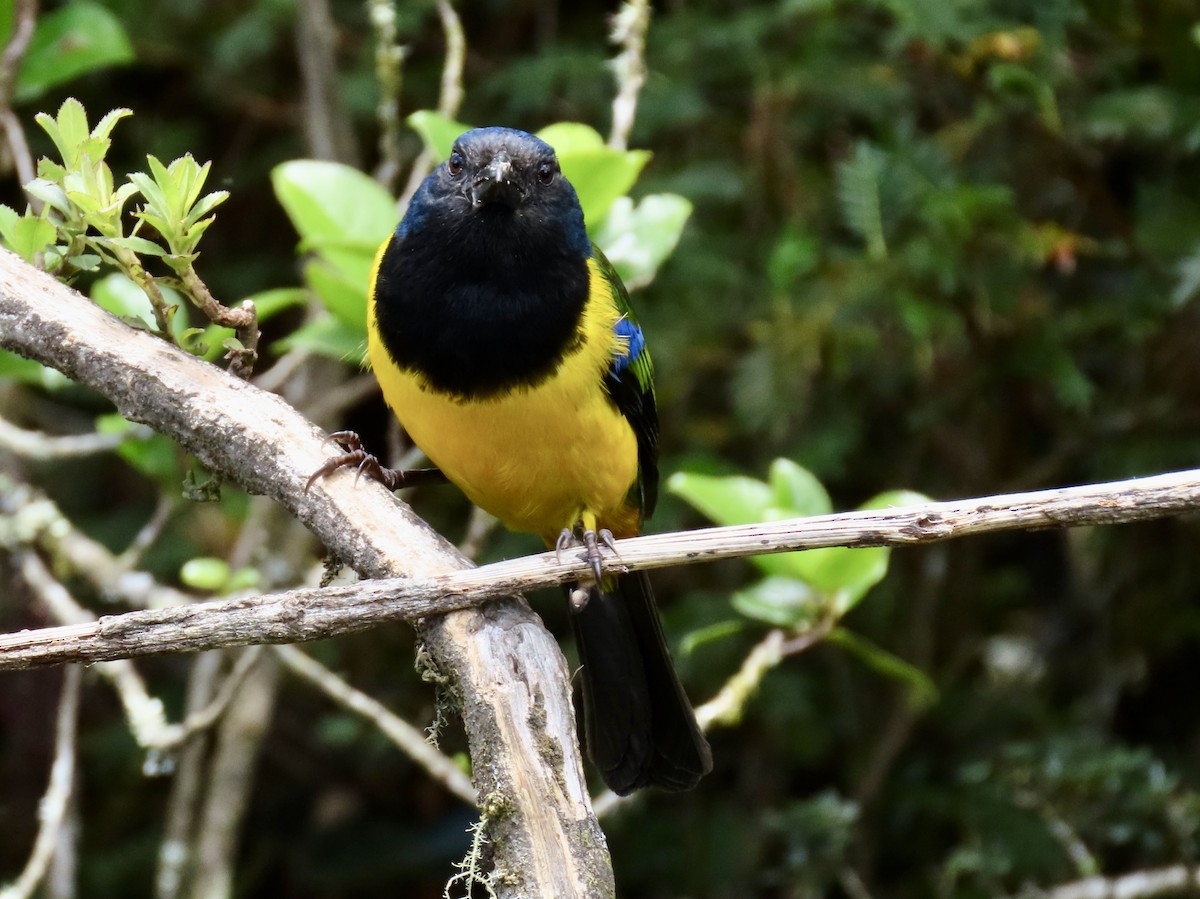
{"x": 53, "y": 807}
{"x": 479, "y": 526}
{"x": 451, "y": 94}
{"x": 148, "y": 533}
{"x": 39, "y": 445}
{"x": 409, "y": 739}
{"x": 243, "y": 319}
{"x": 728, "y": 706}
{"x": 629, "y": 28}
{"x": 238, "y": 742}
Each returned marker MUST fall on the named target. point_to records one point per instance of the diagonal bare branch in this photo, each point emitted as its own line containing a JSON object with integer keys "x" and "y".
{"x": 507, "y": 670}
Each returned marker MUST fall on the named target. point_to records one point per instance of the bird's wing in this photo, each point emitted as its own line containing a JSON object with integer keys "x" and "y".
{"x": 630, "y": 383}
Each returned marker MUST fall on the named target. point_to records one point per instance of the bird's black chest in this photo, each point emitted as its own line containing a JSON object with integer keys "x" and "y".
{"x": 479, "y": 317}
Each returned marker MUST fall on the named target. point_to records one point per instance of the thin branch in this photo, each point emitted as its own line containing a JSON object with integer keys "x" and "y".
{"x": 450, "y": 96}
{"x": 238, "y": 743}
{"x": 53, "y": 807}
{"x": 409, "y": 739}
{"x": 389, "y": 75}
{"x": 37, "y": 445}
{"x": 243, "y": 319}
{"x": 310, "y": 614}
{"x": 728, "y": 706}
{"x": 24, "y": 17}
{"x": 175, "y": 861}
{"x": 24, "y": 14}
{"x": 36, "y": 521}
{"x": 629, "y": 28}
{"x": 479, "y": 526}
{"x": 148, "y": 533}
{"x": 1140, "y": 884}
{"x": 327, "y": 122}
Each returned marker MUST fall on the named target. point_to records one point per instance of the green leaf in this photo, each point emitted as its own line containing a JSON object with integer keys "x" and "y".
{"x": 205, "y": 573}
{"x": 328, "y": 201}
{"x": 342, "y": 292}
{"x": 840, "y": 573}
{"x": 726, "y": 499}
{"x": 781, "y": 602}
{"x": 26, "y": 235}
{"x": 598, "y": 173}
{"x": 68, "y": 130}
{"x": 50, "y": 194}
{"x": 572, "y": 137}
{"x": 437, "y": 131}
{"x": 710, "y": 634}
{"x": 797, "y": 490}
{"x": 638, "y": 239}
{"x": 922, "y": 692}
{"x": 74, "y": 40}
{"x": 600, "y": 176}
{"x": 137, "y": 244}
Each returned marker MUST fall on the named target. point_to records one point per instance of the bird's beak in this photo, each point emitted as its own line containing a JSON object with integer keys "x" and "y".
{"x": 496, "y": 185}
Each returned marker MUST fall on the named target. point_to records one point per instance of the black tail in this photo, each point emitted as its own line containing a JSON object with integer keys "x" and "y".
{"x": 641, "y": 730}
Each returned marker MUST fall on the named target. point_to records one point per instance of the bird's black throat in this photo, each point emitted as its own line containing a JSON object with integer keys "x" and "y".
{"x": 480, "y": 302}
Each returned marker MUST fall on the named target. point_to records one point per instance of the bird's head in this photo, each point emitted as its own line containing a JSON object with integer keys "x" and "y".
{"x": 501, "y": 180}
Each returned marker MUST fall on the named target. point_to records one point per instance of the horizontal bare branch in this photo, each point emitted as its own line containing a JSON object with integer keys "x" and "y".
{"x": 300, "y": 615}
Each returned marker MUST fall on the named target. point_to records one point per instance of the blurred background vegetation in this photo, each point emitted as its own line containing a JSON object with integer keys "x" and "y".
{"x": 949, "y": 247}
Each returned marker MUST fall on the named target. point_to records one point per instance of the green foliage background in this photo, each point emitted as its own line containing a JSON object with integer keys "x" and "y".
{"x": 952, "y": 247}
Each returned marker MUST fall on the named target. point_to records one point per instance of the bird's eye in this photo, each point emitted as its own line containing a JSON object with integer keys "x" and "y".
{"x": 454, "y": 165}
{"x": 546, "y": 172}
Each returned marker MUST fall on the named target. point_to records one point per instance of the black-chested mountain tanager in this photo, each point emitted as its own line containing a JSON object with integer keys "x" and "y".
{"x": 505, "y": 344}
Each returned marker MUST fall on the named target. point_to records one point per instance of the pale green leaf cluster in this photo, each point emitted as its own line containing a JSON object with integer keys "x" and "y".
{"x": 175, "y": 206}
{"x": 77, "y": 218}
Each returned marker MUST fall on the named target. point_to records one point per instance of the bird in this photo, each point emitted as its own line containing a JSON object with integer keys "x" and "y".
{"x": 504, "y": 342}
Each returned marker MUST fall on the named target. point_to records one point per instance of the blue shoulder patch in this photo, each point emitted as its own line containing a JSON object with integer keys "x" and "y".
{"x": 635, "y": 344}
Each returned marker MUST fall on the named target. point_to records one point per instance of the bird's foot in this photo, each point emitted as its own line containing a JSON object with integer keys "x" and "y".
{"x": 369, "y": 465}
{"x": 591, "y": 541}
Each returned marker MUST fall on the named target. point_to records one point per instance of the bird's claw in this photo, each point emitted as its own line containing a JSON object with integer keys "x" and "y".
{"x": 367, "y": 464}
{"x": 591, "y": 541}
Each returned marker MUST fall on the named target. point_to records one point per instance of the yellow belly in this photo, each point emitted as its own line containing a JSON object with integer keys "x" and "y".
{"x": 540, "y": 458}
